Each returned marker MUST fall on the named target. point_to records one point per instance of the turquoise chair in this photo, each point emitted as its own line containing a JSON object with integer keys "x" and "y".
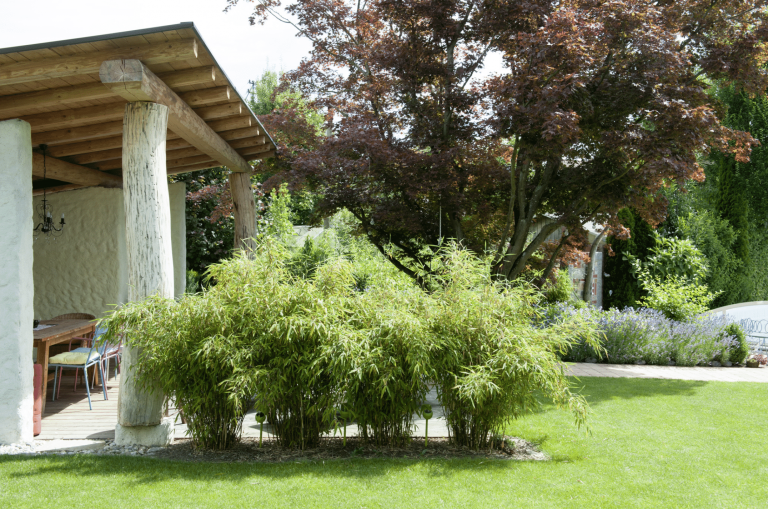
{"x": 82, "y": 358}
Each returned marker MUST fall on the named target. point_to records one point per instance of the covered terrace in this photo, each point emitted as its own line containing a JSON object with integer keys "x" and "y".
{"x": 95, "y": 126}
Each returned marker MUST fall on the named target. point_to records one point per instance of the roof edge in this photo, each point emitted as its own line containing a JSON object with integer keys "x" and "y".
{"x": 97, "y": 38}
{"x": 213, "y": 57}
{"x": 133, "y": 33}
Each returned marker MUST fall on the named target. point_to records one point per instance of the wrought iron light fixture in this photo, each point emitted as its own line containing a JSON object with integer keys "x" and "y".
{"x": 46, "y": 226}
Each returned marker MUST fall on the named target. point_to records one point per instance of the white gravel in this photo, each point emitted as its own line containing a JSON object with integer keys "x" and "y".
{"x": 69, "y": 447}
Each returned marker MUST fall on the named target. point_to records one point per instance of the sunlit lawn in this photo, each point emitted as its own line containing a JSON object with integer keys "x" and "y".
{"x": 655, "y": 443}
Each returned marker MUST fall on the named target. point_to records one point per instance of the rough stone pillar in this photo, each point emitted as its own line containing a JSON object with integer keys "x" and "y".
{"x": 16, "y": 284}
{"x": 245, "y": 209}
{"x": 150, "y": 259}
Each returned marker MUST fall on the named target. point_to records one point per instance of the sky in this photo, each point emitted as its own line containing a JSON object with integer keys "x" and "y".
{"x": 243, "y": 51}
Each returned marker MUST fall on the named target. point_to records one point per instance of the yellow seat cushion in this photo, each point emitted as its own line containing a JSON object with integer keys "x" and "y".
{"x": 72, "y": 358}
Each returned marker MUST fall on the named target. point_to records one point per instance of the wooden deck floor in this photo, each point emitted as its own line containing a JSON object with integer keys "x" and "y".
{"x": 69, "y": 417}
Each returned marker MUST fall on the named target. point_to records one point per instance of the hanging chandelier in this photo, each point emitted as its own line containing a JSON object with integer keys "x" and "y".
{"x": 46, "y": 226}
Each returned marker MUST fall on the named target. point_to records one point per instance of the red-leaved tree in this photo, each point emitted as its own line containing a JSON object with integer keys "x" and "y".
{"x": 599, "y": 105}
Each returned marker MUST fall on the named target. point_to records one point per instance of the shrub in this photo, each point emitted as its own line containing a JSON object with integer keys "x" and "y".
{"x": 671, "y": 257}
{"x": 621, "y": 288}
{"x": 678, "y": 298}
{"x": 285, "y": 322}
{"x": 301, "y": 348}
{"x": 739, "y": 349}
{"x": 193, "y": 282}
{"x": 491, "y": 360}
{"x": 257, "y": 333}
{"x": 699, "y": 341}
{"x": 198, "y": 366}
{"x": 383, "y": 362}
{"x": 560, "y": 289}
{"x": 309, "y": 257}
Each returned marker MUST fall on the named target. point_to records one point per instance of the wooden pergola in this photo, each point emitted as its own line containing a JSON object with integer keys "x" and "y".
{"x": 124, "y": 111}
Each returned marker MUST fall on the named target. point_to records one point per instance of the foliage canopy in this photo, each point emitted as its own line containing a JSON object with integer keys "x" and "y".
{"x": 600, "y": 104}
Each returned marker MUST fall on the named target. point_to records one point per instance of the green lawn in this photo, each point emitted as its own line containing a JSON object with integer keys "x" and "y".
{"x": 655, "y": 444}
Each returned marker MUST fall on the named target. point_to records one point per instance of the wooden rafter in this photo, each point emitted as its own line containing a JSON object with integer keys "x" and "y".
{"x": 75, "y": 117}
{"x": 95, "y": 131}
{"x": 86, "y": 132}
{"x": 106, "y": 112}
{"x": 133, "y": 81}
{"x": 212, "y": 164}
{"x": 174, "y": 149}
{"x": 173, "y": 143}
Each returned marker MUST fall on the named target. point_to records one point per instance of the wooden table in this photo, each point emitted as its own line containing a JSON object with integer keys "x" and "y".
{"x": 62, "y": 332}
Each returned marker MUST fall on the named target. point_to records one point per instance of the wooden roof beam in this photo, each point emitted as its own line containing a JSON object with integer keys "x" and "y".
{"x": 224, "y": 124}
{"x": 17, "y": 103}
{"x": 89, "y": 63}
{"x": 134, "y": 82}
{"x": 72, "y": 173}
{"x": 173, "y": 142}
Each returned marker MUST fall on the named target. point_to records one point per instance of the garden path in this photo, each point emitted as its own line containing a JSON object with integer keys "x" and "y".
{"x": 699, "y": 373}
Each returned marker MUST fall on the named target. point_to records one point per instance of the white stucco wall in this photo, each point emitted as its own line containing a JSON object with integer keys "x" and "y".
{"x": 85, "y": 270}
{"x": 16, "y": 374}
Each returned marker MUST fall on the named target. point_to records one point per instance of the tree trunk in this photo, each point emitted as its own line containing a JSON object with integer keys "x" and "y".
{"x": 587, "y": 293}
{"x": 245, "y": 209}
{"x": 148, "y": 241}
{"x": 553, "y": 258}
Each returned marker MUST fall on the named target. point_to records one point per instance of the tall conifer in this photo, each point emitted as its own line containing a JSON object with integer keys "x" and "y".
{"x": 620, "y": 287}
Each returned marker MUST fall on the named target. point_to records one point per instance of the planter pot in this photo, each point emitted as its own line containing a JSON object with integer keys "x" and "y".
{"x": 753, "y": 363}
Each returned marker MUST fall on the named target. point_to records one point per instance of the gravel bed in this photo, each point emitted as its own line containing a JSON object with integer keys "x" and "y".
{"x": 248, "y": 450}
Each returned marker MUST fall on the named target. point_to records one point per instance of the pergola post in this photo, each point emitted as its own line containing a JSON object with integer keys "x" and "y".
{"x": 245, "y": 209}
{"x": 16, "y": 285}
{"x": 150, "y": 260}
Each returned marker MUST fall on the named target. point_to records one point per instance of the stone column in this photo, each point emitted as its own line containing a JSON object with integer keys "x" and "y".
{"x": 150, "y": 260}
{"x": 16, "y": 283}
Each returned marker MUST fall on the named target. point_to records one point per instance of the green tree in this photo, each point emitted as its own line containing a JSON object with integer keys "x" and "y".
{"x": 715, "y": 237}
{"x": 621, "y": 288}
{"x": 725, "y": 216}
{"x": 300, "y": 130}
{"x": 262, "y": 91}
{"x": 732, "y": 204}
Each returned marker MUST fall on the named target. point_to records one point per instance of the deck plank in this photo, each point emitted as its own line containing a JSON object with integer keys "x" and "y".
{"x": 69, "y": 417}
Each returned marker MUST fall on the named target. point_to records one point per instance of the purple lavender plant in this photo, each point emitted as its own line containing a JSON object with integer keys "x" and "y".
{"x": 631, "y": 335}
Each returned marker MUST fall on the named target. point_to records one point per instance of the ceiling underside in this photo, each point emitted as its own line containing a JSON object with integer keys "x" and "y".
{"x": 56, "y": 87}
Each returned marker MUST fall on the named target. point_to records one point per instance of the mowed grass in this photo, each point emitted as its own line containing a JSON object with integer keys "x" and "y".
{"x": 654, "y": 443}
